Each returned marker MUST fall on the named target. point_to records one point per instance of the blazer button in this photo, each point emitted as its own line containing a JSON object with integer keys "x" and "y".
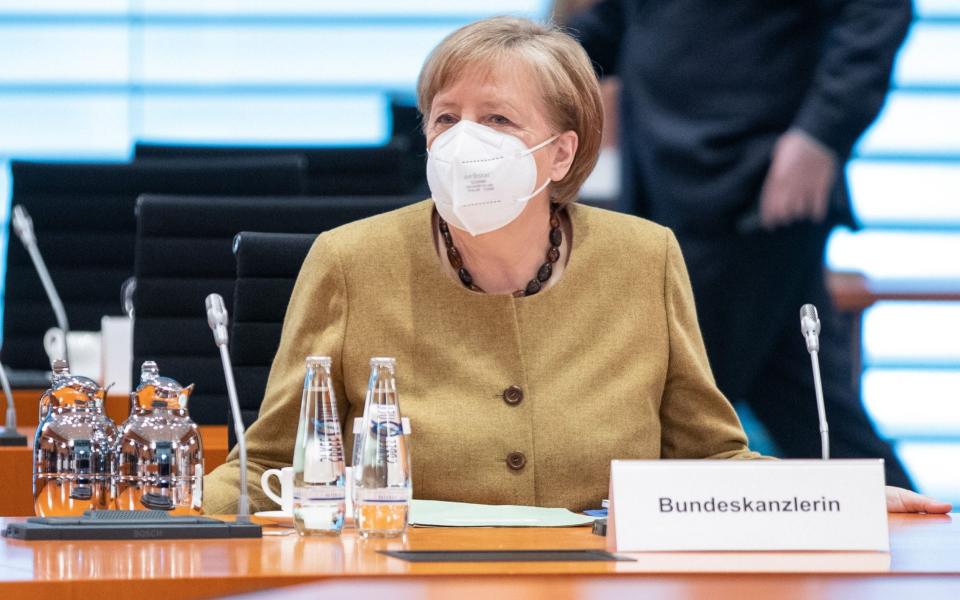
{"x": 516, "y": 460}
{"x": 513, "y": 395}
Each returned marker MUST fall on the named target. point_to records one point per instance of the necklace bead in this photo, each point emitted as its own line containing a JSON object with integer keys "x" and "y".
{"x": 453, "y": 255}
{"x": 546, "y": 270}
{"x": 556, "y": 236}
{"x": 534, "y": 285}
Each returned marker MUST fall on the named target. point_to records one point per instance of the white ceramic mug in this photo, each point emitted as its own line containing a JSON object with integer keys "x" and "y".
{"x": 285, "y": 499}
{"x": 84, "y": 347}
{"x": 116, "y": 348}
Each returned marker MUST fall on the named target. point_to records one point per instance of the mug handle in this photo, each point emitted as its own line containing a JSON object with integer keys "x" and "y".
{"x": 265, "y": 484}
{"x": 54, "y": 343}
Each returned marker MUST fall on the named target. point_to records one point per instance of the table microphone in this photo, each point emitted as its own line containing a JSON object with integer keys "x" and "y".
{"x": 9, "y": 436}
{"x": 217, "y": 319}
{"x": 23, "y": 227}
{"x": 810, "y": 328}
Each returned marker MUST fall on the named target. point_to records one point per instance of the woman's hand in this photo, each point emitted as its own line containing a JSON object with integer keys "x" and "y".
{"x": 900, "y": 500}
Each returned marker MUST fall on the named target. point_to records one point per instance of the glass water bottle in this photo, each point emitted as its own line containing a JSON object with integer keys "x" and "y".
{"x": 381, "y": 465}
{"x": 318, "y": 476}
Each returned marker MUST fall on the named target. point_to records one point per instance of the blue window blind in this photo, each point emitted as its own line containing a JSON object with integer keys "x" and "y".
{"x": 85, "y": 79}
{"x": 905, "y": 186}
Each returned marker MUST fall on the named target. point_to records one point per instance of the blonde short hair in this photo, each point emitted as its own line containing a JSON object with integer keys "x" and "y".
{"x": 565, "y": 76}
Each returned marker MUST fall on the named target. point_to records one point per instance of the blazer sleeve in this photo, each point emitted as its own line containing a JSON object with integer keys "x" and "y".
{"x": 314, "y": 324}
{"x": 853, "y": 75}
{"x": 599, "y": 29}
{"x": 696, "y": 419}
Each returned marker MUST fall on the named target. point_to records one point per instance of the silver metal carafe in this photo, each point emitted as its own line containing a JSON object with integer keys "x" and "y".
{"x": 60, "y": 369}
{"x": 73, "y": 450}
{"x": 159, "y": 453}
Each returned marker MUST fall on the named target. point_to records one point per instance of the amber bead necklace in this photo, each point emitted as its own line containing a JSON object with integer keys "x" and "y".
{"x": 535, "y": 284}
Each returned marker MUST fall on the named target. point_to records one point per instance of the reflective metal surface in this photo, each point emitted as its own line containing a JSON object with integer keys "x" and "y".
{"x": 73, "y": 450}
{"x": 159, "y": 453}
{"x": 60, "y": 369}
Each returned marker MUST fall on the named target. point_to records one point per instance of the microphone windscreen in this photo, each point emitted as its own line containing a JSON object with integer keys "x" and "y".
{"x": 216, "y": 311}
{"x": 810, "y": 326}
{"x": 22, "y": 223}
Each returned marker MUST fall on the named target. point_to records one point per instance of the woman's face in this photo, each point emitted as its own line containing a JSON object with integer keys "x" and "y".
{"x": 507, "y": 100}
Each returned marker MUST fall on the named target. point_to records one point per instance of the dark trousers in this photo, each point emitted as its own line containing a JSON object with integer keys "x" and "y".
{"x": 749, "y": 289}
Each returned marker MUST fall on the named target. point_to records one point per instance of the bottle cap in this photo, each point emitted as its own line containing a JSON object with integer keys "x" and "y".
{"x": 318, "y": 361}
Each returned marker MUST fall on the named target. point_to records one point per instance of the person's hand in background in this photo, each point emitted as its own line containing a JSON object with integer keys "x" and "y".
{"x": 900, "y": 500}
{"x": 798, "y": 184}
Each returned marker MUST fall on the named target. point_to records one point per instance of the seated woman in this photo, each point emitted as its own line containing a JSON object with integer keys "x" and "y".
{"x": 536, "y": 339}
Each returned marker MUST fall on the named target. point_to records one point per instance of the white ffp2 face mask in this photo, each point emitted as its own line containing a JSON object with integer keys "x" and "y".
{"x": 481, "y": 178}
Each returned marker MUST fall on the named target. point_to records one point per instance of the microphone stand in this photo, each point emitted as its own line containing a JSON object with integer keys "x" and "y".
{"x": 810, "y": 328}
{"x": 243, "y": 510}
{"x": 23, "y": 227}
{"x": 9, "y": 436}
{"x": 217, "y": 319}
{"x": 821, "y": 409}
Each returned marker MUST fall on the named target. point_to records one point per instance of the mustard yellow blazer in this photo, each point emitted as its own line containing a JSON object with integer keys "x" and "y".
{"x": 511, "y": 400}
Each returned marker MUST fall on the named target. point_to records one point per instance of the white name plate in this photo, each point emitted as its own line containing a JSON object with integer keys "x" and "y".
{"x": 705, "y": 505}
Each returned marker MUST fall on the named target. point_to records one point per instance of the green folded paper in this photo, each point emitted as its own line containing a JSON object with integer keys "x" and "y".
{"x": 435, "y": 513}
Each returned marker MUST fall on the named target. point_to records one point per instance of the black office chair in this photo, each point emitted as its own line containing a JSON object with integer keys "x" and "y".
{"x": 83, "y": 214}
{"x": 267, "y": 268}
{"x": 392, "y": 169}
{"x": 406, "y": 123}
{"x": 395, "y": 168}
{"x": 184, "y": 253}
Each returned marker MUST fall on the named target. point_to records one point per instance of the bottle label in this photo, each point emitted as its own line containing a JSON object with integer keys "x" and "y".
{"x": 385, "y": 425}
{"x": 382, "y": 444}
{"x": 328, "y": 441}
{"x": 319, "y": 493}
{"x": 323, "y": 460}
{"x": 385, "y": 420}
{"x": 384, "y": 495}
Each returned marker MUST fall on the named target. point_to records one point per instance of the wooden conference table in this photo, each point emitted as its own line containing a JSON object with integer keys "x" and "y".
{"x": 924, "y": 561}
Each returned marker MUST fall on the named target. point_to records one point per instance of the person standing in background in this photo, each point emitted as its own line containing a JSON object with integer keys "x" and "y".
{"x": 736, "y": 121}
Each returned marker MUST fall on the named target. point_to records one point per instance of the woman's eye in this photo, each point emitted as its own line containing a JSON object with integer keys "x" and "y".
{"x": 446, "y": 119}
{"x": 499, "y": 120}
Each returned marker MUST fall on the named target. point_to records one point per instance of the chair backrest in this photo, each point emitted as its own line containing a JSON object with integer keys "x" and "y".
{"x": 267, "y": 268}
{"x": 184, "y": 253}
{"x": 406, "y": 123}
{"x": 392, "y": 169}
{"x": 350, "y": 171}
{"x": 83, "y": 214}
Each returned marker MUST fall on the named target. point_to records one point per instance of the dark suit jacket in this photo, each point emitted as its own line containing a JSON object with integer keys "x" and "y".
{"x": 709, "y": 85}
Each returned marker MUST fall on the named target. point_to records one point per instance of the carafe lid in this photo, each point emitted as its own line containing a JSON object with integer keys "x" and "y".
{"x": 69, "y": 390}
{"x": 156, "y": 391}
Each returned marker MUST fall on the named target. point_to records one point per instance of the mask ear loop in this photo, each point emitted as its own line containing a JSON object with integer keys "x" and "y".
{"x": 540, "y": 145}
{"x": 535, "y": 192}
{"x": 545, "y": 183}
